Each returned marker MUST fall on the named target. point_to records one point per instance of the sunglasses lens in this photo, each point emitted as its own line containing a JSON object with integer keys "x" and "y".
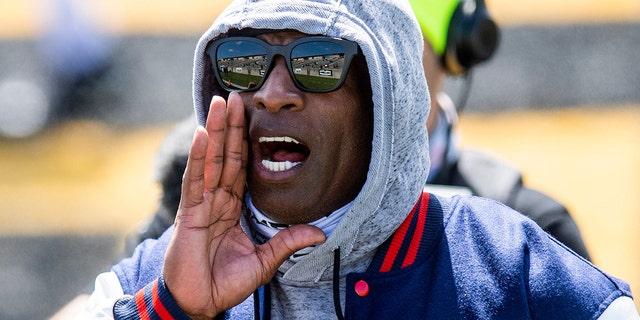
{"x": 241, "y": 64}
{"x": 318, "y": 65}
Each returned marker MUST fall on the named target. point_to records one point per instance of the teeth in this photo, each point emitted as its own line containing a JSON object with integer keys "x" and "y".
{"x": 278, "y": 139}
{"x": 279, "y": 166}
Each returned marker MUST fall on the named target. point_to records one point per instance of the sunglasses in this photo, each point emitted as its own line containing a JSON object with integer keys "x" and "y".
{"x": 316, "y": 64}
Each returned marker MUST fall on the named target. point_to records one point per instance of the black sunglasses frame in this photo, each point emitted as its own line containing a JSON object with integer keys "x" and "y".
{"x": 351, "y": 49}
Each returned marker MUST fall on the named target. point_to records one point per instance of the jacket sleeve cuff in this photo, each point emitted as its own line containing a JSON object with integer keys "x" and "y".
{"x": 154, "y": 301}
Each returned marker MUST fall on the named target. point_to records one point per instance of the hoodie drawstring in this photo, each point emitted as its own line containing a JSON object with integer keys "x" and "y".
{"x": 256, "y": 304}
{"x": 336, "y": 283}
{"x": 266, "y": 293}
{"x": 266, "y": 290}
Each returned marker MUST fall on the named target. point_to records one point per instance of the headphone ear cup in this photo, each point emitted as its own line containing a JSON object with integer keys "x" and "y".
{"x": 472, "y": 38}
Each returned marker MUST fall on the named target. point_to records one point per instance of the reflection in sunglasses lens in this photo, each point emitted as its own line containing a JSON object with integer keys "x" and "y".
{"x": 241, "y": 64}
{"x": 317, "y": 65}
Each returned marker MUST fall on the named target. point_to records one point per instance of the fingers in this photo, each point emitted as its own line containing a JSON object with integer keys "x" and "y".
{"x": 218, "y": 154}
{"x": 238, "y": 188}
{"x": 235, "y": 147}
{"x": 193, "y": 179}
{"x": 215, "y": 126}
{"x": 227, "y": 151}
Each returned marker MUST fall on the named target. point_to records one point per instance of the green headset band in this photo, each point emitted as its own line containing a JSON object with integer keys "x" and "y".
{"x": 434, "y": 17}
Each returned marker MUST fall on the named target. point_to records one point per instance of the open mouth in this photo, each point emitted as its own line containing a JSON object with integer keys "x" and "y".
{"x": 282, "y": 153}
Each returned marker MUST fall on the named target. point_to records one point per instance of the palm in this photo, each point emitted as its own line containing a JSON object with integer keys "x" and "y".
{"x": 211, "y": 265}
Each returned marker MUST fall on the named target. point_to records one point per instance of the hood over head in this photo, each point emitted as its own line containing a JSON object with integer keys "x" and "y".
{"x": 390, "y": 39}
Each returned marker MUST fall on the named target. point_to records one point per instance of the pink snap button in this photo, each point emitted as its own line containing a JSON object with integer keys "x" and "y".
{"x": 362, "y": 288}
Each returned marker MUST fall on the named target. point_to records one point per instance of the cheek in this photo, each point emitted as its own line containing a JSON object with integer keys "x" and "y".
{"x": 357, "y": 133}
{"x": 361, "y": 104}
{"x": 363, "y": 121}
{"x": 247, "y": 98}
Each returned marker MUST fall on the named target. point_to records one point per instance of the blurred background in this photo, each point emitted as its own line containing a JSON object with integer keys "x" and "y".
{"x": 89, "y": 88}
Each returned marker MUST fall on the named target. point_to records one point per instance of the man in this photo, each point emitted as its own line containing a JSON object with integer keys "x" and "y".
{"x": 455, "y": 41}
{"x": 446, "y": 28}
{"x": 302, "y": 196}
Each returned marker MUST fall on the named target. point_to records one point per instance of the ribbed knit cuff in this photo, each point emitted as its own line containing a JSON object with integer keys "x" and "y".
{"x": 154, "y": 301}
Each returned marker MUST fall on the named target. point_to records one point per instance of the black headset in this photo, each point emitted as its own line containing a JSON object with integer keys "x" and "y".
{"x": 472, "y": 38}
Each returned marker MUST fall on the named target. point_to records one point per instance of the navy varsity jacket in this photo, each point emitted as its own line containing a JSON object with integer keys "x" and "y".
{"x": 458, "y": 258}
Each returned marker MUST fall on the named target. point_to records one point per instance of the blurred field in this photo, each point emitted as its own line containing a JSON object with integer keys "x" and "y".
{"x": 78, "y": 178}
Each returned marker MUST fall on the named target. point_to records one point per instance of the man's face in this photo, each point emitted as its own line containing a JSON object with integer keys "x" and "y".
{"x": 309, "y": 152}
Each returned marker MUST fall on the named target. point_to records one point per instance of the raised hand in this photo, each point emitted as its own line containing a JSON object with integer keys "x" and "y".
{"x": 210, "y": 264}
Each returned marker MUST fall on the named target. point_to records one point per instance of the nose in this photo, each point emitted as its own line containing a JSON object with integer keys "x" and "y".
{"x": 278, "y": 90}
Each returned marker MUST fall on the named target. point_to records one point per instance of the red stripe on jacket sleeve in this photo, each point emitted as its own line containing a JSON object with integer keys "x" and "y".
{"x": 152, "y": 302}
{"x": 142, "y": 305}
{"x": 157, "y": 304}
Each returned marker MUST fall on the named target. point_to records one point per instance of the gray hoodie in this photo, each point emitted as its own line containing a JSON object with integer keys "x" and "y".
{"x": 390, "y": 40}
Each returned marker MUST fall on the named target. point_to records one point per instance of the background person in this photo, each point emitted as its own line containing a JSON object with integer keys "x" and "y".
{"x": 78, "y": 52}
{"x": 458, "y": 35}
{"x": 334, "y": 214}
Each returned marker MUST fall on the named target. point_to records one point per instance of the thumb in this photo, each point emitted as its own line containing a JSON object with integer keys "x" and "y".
{"x": 287, "y": 242}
